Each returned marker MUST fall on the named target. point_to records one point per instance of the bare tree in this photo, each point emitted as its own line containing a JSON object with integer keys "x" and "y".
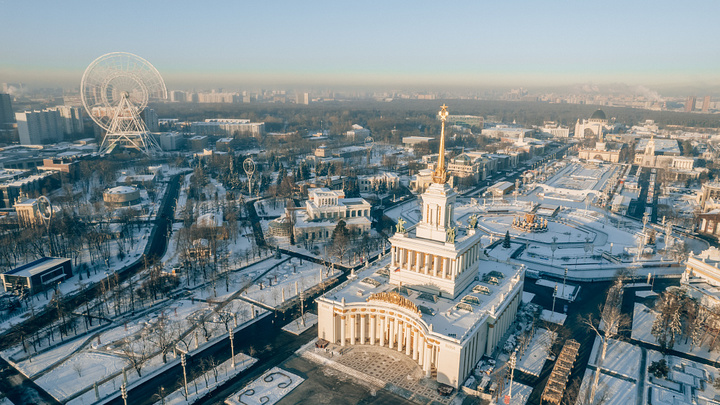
{"x": 134, "y": 351}
{"x": 613, "y": 320}
{"x": 78, "y": 368}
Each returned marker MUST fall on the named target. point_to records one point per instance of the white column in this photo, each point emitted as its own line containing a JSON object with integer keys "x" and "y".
{"x": 426, "y": 362}
{"x": 362, "y": 329}
{"x": 353, "y": 328}
{"x": 408, "y": 340}
{"x": 401, "y": 259}
{"x": 383, "y": 329}
{"x": 444, "y": 267}
{"x": 436, "y": 261}
{"x": 391, "y": 332}
{"x": 421, "y": 351}
{"x": 416, "y": 338}
{"x": 373, "y": 328}
{"x": 400, "y": 328}
{"x": 342, "y": 330}
{"x": 417, "y": 261}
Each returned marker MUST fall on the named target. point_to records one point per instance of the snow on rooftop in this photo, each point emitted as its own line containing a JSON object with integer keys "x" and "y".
{"x": 452, "y": 318}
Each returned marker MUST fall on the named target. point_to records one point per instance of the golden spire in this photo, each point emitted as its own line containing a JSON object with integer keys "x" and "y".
{"x": 440, "y": 176}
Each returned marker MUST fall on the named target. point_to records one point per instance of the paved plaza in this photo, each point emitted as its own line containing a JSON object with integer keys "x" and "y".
{"x": 397, "y": 372}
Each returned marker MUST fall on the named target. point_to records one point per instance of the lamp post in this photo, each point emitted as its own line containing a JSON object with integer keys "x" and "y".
{"x": 183, "y": 361}
{"x": 553, "y": 247}
{"x": 513, "y": 358}
{"x": 232, "y": 346}
{"x": 554, "y": 295}
{"x": 564, "y": 279}
{"x": 123, "y": 393}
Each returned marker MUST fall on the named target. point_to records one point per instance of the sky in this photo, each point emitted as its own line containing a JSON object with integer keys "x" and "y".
{"x": 236, "y": 44}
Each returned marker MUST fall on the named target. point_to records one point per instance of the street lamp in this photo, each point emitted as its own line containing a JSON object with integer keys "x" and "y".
{"x": 554, "y": 295}
{"x": 123, "y": 393}
{"x": 232, "y": 346}
{"x": 564, "y": 279}
{"x": 183, "y": 361}
{"x": 513, "y": 358}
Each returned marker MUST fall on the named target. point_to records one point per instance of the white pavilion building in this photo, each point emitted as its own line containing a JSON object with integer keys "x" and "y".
{"x": 440, "y": 300}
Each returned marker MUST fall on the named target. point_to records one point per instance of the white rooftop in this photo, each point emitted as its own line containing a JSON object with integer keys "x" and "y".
{"x": 445, "y": 316}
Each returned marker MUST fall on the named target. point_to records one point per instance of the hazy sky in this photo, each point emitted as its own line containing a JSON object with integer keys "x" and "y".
{"x": 482, "y": 42}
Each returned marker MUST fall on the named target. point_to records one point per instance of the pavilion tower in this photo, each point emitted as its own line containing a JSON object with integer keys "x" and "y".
{"x": 436, "y": 255}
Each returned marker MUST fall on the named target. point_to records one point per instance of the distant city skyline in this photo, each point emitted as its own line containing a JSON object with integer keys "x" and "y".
{"x": 663, "y": 45}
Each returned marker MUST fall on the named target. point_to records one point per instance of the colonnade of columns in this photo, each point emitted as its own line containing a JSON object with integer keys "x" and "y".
{"x": 390, "y": 331}
{"x": 435, "y": 265}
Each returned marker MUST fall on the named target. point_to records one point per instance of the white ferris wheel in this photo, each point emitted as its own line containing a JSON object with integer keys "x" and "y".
{"x": 115, "y": 89}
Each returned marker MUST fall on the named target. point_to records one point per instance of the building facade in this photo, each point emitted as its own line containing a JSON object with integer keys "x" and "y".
{"x": 596, "y": 125}
{"x": 439, "y": 300}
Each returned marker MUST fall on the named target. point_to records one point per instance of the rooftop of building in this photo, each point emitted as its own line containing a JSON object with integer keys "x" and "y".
{"x": 661, "y": 145}
{"x": 598, "y": 115}
{"x": 121, "y": 190}
{"x": 37, "y": 267}
{"x": 453, "y": 318}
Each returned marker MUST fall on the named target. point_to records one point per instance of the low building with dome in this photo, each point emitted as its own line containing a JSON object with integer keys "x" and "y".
{"x": 597, "y": 124}
{"x": 439, "y": 300}
{"x": 121, "y": 196}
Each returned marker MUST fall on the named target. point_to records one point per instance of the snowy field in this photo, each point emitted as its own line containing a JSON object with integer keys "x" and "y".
{"x": 268, "y": 389}
{"x": 536, "y": 353}
{"x": 621, "y": 358}
{"x": 615, "y": 390}
{"x": 65, "y": 380}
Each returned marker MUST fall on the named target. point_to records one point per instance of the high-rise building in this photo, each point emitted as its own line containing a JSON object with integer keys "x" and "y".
{"x": 7, "y": 119}
{"x": 39, "y": 127}
{"x": 177, "y": 96}
{"x": 6, "y": 112}
{"x": 302, "y": 98}
{"x": 71, "y": 118}
{"x": 151, "y": 119}
{"x": 690, "y": 103}
{"x": 706, "y": 104}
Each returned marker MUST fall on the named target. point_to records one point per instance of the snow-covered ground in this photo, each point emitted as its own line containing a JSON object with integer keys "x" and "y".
{"x": 297, "y": 326}
{"x": 621, "y": 358}
{"x": 270, "y": 207}
{"x": 268, "y": 389}
{"x": 566, "y": 292}
{"x": 520, "y": 393}
{"x": 212, "y": 379}
{"x": 554, "y": 317}
{"x": 536, "y": 353}
{"x": 643, "y": 318}
{"x": 286, "y": 281}
{"x": 527, "y": 296}
{"x": 615, "y": 390}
